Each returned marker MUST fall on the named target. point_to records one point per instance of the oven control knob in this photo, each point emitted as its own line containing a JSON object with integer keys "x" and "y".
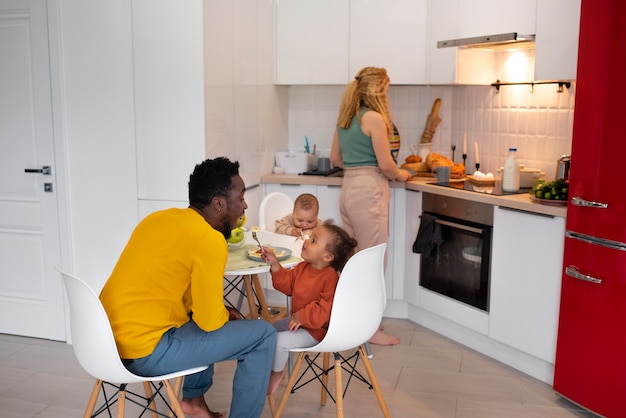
{"x": 443, "y": 205}
{"x": 468, "y": 211}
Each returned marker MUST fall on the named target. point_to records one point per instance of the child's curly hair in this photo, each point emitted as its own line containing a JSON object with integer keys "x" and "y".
{"x": 342, "y": 246}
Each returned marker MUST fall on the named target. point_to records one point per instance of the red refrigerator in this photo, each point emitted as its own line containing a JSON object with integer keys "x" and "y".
{"x": 590, "y": 367}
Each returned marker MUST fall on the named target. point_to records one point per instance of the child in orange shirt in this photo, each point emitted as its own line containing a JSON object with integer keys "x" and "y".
{"x": 311, "y": 285}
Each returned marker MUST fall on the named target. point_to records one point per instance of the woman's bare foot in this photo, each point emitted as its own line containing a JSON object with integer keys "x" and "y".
{"x": 275, "y": 378}
{"x": 382, "y": 338}
{"x": 198, "y": 408}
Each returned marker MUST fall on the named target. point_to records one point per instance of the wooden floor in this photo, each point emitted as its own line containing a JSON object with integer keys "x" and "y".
{"x": 427, "y": 375}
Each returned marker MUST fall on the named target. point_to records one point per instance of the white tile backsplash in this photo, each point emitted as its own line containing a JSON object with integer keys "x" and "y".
{"x": 537, "y": 120}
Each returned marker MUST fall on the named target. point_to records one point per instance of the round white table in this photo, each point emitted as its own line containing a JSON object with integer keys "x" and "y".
{"x": 242, "y": 274}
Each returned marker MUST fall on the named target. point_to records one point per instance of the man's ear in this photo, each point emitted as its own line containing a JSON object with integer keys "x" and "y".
{"x": 218, "y": 203}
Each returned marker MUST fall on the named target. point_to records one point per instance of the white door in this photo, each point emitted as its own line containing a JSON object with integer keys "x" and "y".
{"x": 31, "y": 293}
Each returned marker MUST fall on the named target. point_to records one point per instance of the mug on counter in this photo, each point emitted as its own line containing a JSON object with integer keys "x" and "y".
{"x": 443, "y": 173}
{"x": 323, "y": 164}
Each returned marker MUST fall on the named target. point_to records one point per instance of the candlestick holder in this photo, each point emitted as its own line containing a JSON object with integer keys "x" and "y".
{"x": 477, "y": 166}
{"x": 464, "y": 158}
{"x": 453, "y": 147}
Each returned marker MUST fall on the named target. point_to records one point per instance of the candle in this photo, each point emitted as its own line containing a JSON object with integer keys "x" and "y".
{"x": 465, "y": 143}
{"x": 476, "y": 151}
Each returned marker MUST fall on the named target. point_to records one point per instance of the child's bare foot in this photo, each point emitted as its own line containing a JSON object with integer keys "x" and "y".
{"x": 382, "y": 338}
{"x": 275, "y": 378}
{"x": 198, "y": 408}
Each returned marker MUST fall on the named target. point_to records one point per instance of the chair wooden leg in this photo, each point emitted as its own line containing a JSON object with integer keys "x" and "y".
{"x": 121, "y": 403}
{"x": 253, "y": 314}
{"x": 272, "y": 402}
{"x": 178, "y": 384}
{"x": 374, "y": 382}
{"x": 292, "y": 380}
{"x": 95, "y": 392}
{"x": 173, "y": 397}
{"x": 338, "y": 387}
{"x": 325, "y": 364}
{"x": 148, "y": 389}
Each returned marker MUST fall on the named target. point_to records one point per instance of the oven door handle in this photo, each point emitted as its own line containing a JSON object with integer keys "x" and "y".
{"x": 459, "y": 226}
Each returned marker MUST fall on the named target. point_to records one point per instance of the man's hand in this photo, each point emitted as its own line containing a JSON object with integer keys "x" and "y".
{"x": 233, "y": 314}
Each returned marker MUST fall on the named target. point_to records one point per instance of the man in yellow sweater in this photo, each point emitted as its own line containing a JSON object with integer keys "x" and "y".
{"x": 165, "y": 296}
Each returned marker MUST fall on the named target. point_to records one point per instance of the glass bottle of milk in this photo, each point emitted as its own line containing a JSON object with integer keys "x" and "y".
{"x": 511, "y": 173}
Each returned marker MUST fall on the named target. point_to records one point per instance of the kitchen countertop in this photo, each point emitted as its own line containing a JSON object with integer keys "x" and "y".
{"x": 520, "y": 202}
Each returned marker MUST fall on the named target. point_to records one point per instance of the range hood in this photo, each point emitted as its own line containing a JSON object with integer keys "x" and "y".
{"x": 503, "y": 40}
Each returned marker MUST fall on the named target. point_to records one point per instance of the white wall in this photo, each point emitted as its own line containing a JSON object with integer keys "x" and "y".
{"x": 95, "y": 127}
{"x": 245, "y": 114}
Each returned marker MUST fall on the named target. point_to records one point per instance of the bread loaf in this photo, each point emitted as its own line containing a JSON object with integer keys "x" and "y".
{"x": 457, "y": 171}
{"x": 419, "y": 167}
{"x": 434, "y": 160}
{"x": 413, "y": 158}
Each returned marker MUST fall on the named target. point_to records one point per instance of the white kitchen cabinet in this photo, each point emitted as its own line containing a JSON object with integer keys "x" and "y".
{"x": 556, "y": 55}
{"x": 312, "y": 39}
{"x": 328, "y": 197}
{"x": 491, "y": 17}
{"x": 329, "y": 41}
{"x": 390, "y": 34}
{"x": 526, "y": 264}
{"x": 454, "y": 19}
{"x": 413, "y": 210}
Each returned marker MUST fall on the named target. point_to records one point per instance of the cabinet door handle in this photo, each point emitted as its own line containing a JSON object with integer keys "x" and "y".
{"x": 572, "y": 271}
{"x": 579, "y": 201}
{"x": 46, "y": 170}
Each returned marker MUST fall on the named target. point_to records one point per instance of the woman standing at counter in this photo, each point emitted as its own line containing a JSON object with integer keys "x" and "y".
{"x": 361, "y": 147}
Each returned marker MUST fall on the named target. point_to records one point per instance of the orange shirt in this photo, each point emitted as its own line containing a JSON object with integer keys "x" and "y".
{"x": 312, "y": 292}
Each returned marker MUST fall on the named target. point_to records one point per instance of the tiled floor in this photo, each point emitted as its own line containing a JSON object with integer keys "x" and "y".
{"x": 425, "y": 376}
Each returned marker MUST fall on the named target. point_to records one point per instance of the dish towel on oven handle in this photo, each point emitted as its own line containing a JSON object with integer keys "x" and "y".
{"x": 428, "y": 235}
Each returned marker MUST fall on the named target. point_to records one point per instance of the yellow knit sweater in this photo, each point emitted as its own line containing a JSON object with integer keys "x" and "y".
{"x": 173, "y": 265}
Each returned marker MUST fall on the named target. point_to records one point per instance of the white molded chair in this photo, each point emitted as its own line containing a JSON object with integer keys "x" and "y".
{"x": 273, "y": 207}
{"x": 95, "y": 349}
{"x": 357, "y": 311}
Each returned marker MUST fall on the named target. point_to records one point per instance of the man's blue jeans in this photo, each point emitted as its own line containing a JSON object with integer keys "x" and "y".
{"x": 251, "y": 342}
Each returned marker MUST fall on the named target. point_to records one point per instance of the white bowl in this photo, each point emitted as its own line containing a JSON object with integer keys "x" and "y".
{"x": 232, "y": 247}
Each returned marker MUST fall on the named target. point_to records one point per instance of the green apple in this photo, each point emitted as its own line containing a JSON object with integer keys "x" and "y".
{"x": 241, "y": 221}
{"x": 236, "y": 236}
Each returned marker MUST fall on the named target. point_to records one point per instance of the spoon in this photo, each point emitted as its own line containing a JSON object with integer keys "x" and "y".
{"x": 257, "y": 241}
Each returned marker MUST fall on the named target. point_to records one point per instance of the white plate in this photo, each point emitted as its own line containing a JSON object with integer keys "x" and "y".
{"x": 282, "y": 253}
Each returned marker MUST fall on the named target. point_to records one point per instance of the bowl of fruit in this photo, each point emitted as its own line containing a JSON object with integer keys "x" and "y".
{"x": 550, "y": 192}
{"x": 237, "y": 236}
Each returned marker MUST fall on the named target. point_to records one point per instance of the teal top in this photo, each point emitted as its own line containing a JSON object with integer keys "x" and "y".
{"x": 356, "y": 147}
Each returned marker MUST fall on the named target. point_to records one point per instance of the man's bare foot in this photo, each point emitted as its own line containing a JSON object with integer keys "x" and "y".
{"x": 275, "y": 378}
{"x": 198, "y": 408}
{"x": 382, "y": 338}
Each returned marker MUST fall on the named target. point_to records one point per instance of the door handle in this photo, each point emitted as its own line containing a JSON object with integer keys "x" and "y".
{"x": 579, "y": 201}
{"x": 46, "y": 170}
{"x": 572, "y": 271}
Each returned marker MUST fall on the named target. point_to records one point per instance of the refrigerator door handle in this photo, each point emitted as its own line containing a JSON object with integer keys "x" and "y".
{"x": 572, "y": 271}
{"x": 579, "y": 201}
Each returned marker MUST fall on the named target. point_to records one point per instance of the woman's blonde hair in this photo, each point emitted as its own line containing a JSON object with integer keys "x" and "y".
{"x": 368, "y": 89}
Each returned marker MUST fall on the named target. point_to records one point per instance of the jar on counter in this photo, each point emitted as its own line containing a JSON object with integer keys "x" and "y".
{"x": 511, "y": 173}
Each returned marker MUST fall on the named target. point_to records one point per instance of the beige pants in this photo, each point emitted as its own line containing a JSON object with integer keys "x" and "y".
{"x": 364, "y": 206}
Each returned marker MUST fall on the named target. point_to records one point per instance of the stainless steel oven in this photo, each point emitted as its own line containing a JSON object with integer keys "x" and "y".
{"x": 456, "y": 260}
